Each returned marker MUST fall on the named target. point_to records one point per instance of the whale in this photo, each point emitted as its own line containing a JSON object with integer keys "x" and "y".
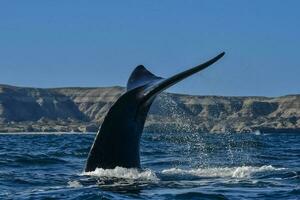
{"x": 117, "y": 143}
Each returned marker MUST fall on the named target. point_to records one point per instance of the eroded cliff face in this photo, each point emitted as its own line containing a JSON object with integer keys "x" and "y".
{"x": 83, "y": 109}
{"x": 228, "y": 114}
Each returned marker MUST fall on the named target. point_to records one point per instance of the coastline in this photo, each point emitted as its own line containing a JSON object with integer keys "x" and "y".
{"x": 24, "y": 109}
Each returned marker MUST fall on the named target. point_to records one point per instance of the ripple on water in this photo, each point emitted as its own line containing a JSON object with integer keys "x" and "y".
{"x": 178, "y": 166}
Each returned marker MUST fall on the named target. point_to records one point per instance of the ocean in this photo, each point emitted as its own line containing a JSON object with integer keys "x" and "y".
{"x": 175, "y": 166}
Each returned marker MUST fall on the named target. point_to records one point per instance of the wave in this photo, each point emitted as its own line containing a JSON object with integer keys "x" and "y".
{"x": 124, "y": 173}
{"x": 37, "y": 160}
{"x": 47, "y": 133}
{"x": 234, "y": 172}
{"x": 149, "y": 175}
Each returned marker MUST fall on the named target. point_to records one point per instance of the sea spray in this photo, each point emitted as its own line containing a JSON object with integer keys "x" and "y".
{"x": 234, "y": 172}
{"x": 124, "y": 173}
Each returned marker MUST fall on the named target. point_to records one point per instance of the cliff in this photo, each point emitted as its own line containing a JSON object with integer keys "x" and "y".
{"x": 83, "y": 110}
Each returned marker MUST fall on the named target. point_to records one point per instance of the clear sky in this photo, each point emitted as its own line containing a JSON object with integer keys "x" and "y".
{"x": 98, "y": 43}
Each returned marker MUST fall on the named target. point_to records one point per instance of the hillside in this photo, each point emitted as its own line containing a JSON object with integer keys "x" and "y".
{"x": 83, "y": 110}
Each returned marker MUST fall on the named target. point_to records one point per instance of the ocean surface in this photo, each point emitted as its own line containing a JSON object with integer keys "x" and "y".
{"x": 175, "y": 166}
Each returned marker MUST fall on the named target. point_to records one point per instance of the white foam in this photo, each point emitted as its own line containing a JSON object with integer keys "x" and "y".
{"x": 74, "y": 184}
{"x": 234, "y": 172}
{"x": 124, "y": 173}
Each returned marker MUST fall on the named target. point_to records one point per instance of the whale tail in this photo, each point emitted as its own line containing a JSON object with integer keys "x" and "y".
{"x": 166, "y": 83}
{"x": 141, "y": 76}
{"x": 117, "y": 143}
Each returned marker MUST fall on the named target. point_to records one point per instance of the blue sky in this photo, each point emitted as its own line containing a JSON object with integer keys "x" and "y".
{"x": 98, "y": 43}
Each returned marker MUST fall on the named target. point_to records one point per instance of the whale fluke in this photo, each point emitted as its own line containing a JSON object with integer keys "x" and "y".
{"x": 117, "y": 143}
{"x": 140, "y": 76}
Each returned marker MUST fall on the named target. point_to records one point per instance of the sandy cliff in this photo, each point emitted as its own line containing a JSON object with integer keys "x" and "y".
{"x": 83, "y": 109}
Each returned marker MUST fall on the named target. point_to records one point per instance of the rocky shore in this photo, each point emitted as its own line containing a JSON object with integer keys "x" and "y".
{"x": 83, "y": 110}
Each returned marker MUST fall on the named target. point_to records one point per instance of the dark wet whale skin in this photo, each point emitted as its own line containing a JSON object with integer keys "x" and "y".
{"x": 117, "y": 143}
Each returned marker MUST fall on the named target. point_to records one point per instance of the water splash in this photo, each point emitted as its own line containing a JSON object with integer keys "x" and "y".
{"x": 124, "y": 173}
{"x": 234, "y": 172}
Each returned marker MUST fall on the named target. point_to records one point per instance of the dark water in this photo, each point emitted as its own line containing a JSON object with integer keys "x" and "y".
{"x": 177, "y": 166}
